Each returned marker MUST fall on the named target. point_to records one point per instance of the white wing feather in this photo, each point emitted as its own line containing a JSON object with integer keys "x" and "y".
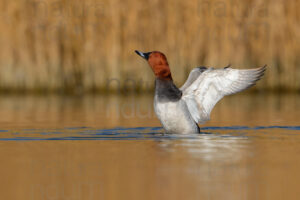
{"x": 213, "y": 84}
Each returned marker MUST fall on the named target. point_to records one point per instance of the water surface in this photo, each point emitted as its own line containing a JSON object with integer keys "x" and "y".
{"x": 98, "y": 147}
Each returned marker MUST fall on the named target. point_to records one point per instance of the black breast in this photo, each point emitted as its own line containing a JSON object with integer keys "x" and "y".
{"x": 166, "y": 90}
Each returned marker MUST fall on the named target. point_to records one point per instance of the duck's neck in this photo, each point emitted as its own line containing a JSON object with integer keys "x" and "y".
{"x": 165, "y": 90}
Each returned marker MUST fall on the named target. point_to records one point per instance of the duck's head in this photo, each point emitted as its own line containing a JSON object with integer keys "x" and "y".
{"x": 158, "y": 63}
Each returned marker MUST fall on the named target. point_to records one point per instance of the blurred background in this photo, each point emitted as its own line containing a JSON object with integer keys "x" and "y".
{"x": 88, "y": 46}
{"x": 72, "y": 63}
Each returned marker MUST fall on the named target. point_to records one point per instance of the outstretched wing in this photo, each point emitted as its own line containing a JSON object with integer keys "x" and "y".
{"x": 213, "y": 84}
{"x": 194, "y": 74}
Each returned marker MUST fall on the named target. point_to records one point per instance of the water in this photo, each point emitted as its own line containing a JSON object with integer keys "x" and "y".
{"x": 110, "y": 147}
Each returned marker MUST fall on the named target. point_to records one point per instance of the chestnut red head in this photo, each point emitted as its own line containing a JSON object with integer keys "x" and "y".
{"x": 159, "y": 64}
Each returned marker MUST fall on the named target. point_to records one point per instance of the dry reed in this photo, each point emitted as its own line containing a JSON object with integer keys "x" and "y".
{"x": 65, "y": 45}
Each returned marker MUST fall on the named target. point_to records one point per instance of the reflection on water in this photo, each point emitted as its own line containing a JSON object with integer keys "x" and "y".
{"x": 69, "y": 148}
{"x": 137, "y": 111}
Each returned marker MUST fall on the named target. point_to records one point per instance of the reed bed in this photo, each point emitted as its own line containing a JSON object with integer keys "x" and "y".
{"x": 88, "y": 46}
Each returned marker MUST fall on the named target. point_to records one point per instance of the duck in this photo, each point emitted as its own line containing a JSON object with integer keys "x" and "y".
{"x": 180, "y": 110}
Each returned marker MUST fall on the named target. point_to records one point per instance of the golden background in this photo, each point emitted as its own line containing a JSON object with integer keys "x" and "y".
{"x": 88, "y": 46}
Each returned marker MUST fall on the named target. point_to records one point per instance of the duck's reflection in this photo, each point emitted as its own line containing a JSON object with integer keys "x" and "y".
{"x": 213, "y": 165}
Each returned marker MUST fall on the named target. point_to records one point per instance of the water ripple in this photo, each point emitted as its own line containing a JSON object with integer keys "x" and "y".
{"x": 141, "y": 133}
